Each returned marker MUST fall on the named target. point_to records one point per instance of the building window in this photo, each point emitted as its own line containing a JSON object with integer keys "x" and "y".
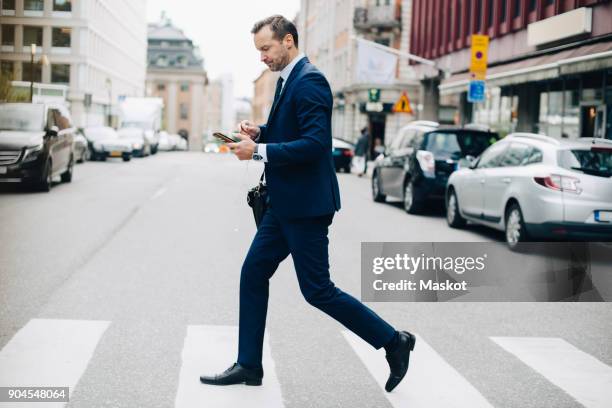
{"x": 532, "y": 5}
{"x": 550, "y": 2}
{"x": 8, "y": 5}
{"x": 8, "y": 34}
{"x": 478, "y": 15}
{"x": 184, "y": 111}
{"x": 382, "y": 41}
{"x": 62, "y": 5}
{"x": 504, "y": 5}
{"x": 517, "y": 8}
{"x": 31, "y": 73}
{"x": 181, "y": 60}
{"x": 61, "y": 37}
{"x": 161, "y": 87}
{"x": 490, "y": 13}
{"x": 162, "y": 61}
{"x": 469, "y": 17}
{"x": 60, "y": 73}
{"x": 34, "y": 5}
{"x": 32, "y": 35}
{"x": 184, "y": 87}
{"x": 6, "y": 68}
{"x": 458, "y": 21}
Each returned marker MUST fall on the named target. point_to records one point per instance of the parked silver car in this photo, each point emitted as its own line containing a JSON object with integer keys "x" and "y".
{"x": 141, "y": 146}
{"x": 104, "y": 142}
{"x": 536, "y": 187}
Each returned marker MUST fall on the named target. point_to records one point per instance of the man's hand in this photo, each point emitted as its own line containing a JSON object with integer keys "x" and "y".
{"x": 245, "y": 148}
{"x": 248, "y": 128}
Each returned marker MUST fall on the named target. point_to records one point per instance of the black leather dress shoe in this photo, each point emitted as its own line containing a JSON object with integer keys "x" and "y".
{"x": 236, "y": 374}
{"x": 398, "y": 360}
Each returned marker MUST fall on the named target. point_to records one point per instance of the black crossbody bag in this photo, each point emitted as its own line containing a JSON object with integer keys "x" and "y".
{"x": 257, "y": 199}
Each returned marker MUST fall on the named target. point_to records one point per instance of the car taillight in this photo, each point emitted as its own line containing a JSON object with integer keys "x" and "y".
{"x": 347, "y": 153}
{"x": 427, "y": 162}
{"x": 560, "y": 183}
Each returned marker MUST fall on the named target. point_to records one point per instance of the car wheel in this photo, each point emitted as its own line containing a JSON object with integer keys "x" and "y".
{"x": 411, "y": 204}
{"x": 46, "y": 181}
{"x": 453, "y": 215}
{"x": 516, "y": 233}
{"x": 376, "y": 194}
{"x": 347, "y": 169}
{"x": 67, "y": 175}
{"x": 126, "y": 158}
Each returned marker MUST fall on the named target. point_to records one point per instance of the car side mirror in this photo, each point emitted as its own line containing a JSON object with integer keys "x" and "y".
{"x": 468, "y": 162}
{"x": 52, "y": 131}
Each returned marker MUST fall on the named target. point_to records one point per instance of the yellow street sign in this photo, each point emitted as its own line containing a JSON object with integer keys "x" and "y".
{"x": 479, "y": 52}
{"x": 403, "y": 104}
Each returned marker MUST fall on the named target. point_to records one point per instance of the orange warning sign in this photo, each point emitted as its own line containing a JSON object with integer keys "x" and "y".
{"x": 403, "y": 104}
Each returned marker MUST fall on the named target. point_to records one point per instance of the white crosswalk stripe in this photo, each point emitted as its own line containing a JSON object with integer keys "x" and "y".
{"x": 579, "y": 374}
{"x": 49, "y": 352}
{"x": 210, "y": 350}
{"x": 420, "y": 387}
{"x": 56, "y": 352}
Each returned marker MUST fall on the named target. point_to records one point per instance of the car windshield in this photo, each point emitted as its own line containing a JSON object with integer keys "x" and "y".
{"x": 25, "y": 117}
{"x": 595, "y": 161}
{"x": 100, "y": 133}
{"x": 130, "y": 132}
{"x": 455, "y": 145}
{"x": 340, "y": 144}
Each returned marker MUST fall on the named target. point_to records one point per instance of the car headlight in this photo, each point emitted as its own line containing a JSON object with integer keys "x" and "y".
{"x": 136, "y": 145}
{"x": 32, "y": 153}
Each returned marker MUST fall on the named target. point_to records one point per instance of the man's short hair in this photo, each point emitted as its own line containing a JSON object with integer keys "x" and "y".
{"x": 280, "y": 27}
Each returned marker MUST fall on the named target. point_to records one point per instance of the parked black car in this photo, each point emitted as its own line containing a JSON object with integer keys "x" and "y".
{"x": 343, "y": 153}
{"x": 416, "y": 165}
{"x": 36, "y": 144}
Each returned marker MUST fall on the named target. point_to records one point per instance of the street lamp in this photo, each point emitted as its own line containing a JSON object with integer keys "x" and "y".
{"x": 43, "y": 60}
{"x": 109, "y": 86}
{"x": 32, "y": 52}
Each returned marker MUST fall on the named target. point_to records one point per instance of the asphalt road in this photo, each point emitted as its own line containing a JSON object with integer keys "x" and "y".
{"x": 137, "y": 263}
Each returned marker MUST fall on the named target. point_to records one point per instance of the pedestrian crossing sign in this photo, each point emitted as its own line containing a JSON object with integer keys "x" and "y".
{"x": 403, "y": 104}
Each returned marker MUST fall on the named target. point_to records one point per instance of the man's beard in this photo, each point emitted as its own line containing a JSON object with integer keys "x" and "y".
{"x": 278, "y": 66}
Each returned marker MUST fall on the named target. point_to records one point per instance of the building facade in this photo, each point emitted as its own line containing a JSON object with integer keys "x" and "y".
{"x": 244, "y": 109}
{"x": 175, "y": 73}
{"x": 96, "y": 48}
{"x": 221, "y": 107}
{"x": 263, "y": 95}
{"x": 549, "y": 62}
{"x": 327, "y": 35}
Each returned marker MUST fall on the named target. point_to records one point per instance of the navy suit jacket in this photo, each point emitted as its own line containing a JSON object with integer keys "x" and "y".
{"x": 300, "y": 172}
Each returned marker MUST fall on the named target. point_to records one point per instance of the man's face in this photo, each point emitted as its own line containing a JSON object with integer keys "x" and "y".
{"x": 274, "y": 53}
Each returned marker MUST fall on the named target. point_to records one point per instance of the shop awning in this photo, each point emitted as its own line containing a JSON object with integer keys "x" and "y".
{"x": 586, "y": 58}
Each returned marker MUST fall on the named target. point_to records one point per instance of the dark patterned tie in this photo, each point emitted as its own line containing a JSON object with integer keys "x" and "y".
{"x": 277, "y": 92}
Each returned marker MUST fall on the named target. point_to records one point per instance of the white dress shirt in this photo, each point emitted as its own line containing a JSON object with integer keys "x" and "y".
{"x": 261, "y": 147}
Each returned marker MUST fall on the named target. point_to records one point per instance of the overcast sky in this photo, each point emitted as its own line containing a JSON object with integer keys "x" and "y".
{"x": 222, "y": 30}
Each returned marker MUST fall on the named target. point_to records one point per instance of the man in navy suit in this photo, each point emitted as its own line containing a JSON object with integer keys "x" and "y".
{"x": 296, "y": 147}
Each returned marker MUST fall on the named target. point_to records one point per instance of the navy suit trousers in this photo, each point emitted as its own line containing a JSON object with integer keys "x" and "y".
{"x": 306, "y": 240}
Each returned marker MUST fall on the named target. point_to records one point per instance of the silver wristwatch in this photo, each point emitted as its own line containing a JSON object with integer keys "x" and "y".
{"x": 256, "y": 155}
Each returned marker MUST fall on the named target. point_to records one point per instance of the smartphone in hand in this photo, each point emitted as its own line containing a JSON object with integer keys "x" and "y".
{"x": 226, "y": 138}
